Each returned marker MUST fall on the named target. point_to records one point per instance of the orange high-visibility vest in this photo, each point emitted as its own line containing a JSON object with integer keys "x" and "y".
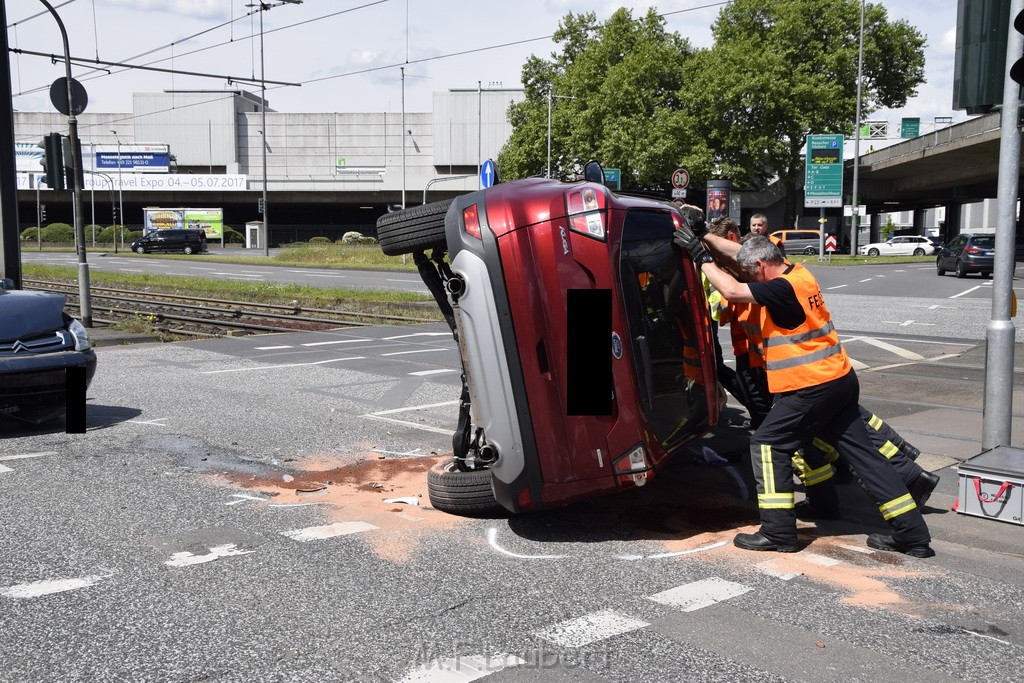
{"x": 745, "y": 322}
{"x": 807, "y": 355}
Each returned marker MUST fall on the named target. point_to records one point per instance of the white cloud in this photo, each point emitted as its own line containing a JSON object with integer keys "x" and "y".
{"x": 203, "y": 9}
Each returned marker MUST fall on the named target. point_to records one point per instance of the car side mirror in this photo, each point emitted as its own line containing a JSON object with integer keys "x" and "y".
{"x": 7, "y": 283}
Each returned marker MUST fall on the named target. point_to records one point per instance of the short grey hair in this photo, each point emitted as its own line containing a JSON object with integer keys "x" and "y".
{"x": 758, "y": 248}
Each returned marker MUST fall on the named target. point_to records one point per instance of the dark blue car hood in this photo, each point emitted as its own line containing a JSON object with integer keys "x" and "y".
{"x": 29, "y": 314}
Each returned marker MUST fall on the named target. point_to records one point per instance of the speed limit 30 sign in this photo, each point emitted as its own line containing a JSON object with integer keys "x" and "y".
{"x": 680, "y": 178}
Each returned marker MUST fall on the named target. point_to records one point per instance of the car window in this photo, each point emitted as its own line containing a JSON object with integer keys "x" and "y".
{"x": 957, "y": 242}
{"x": 984, "y": 241}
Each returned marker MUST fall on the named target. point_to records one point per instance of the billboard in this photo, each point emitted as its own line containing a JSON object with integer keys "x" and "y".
{"x": 209, "y": 220}
{"x": 134, "y": 158}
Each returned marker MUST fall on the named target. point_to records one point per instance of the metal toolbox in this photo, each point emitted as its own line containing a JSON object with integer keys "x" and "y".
{"x": 991, "y": 485}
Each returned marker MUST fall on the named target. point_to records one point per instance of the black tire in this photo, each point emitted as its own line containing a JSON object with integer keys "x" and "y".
{"x": 187, "y": 249}
{"x": 872, "y": 252}
{"x": 810, "y": 250}
{"x": 961, "y": 272}
{"x": 938, "y": 267}
{"x": 461, "y": 493}
{"x": 919, "y": 252}
{"x": 417, "y": 228}
{"x": 140, "y": 250}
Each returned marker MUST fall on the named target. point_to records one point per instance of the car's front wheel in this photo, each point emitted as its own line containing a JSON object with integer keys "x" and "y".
{"x": 417, "y": 228}
{"x": 461, "y": 492}
{"x": 919, "y": 252}
{"x": 187, "y": 249}
{"x": 140, "y": 250}
{"x": 872, "y": 252}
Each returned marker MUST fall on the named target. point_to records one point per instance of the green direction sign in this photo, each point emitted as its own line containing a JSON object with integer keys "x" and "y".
{"x": 910, "y": 127}
{"x": 823, "y": 180}
{"x": 613, "y": 178}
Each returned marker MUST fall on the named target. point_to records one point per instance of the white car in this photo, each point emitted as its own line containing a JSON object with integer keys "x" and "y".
{"x": 902, "y": 245}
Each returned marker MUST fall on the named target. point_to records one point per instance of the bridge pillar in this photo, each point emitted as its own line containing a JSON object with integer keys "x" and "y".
{"x": 876, "y": 227}
{"x": 919, "y": 221}
{"x": 951, "y": 227}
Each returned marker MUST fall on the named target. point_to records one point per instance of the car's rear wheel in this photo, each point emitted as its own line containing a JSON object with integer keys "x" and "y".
{"x": 872, "y": 252}
{"x": 187, "y": 249}
{"x": 810, "y": 250}
{"x": 919, "y": 252}
{"x": 938, "y": 267}
{"x": 414, "y": 229}
{"x": 140, "y": 250}
{"x": 961, "y": 271}
{"x": 461, "y": 492}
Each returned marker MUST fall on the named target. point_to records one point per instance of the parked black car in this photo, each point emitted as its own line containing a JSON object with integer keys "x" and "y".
{"x": 187, "y": 241}
{"x": 38, "y": 343}
{"x": 967, "y": 253}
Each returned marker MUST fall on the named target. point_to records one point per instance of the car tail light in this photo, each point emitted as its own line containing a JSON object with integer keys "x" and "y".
{"x": 585, "y": 208}
{"x": 471, "y": 221}
{"x": 525, "y": 499}
{"x": 632, "y": 468}
{"x": 972, "y": 250}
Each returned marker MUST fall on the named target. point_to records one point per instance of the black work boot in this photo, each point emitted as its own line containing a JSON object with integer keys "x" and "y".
{"x": 758, "y": 541}
{"x": 888, "y": 543}
{"x": 923, "y": 486}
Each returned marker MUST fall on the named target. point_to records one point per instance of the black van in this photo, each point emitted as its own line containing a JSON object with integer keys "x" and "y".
{"x": 188, "y": 241}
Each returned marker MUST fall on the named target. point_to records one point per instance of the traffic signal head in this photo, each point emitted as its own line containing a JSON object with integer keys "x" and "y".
{"x": 52, "y": 161}
{"x": 1017, "y": 68}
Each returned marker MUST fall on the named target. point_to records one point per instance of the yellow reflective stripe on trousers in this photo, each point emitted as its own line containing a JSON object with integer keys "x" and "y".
{"x": 817, "y": 476}
{"x": 875, "y": 422}
{"x": 767, "y": 472}
{"x": 800, "y": 465}
{"x": 831, "y": 454}
{"x": 897, "y": 506}
{"x": 776, "y": 501}
{"x": 888, "y": 449}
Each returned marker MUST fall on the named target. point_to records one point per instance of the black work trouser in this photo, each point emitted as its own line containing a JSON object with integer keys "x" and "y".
{"x": 752, "y": 384}
{"x": 829, "y": 411}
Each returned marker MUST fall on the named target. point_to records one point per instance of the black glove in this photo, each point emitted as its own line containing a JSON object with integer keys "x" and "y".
{"x": 693, "y": 218}
{"x": 690, "y": 243}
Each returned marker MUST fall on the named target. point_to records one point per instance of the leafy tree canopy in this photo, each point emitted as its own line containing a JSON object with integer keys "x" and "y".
{"x": 645, "y": 101}
{"x": 614, "y": 91}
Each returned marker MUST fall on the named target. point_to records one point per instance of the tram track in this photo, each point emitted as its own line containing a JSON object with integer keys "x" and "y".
{"x": 184, "y": 315}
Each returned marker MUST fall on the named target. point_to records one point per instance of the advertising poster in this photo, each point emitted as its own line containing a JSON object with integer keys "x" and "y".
{"x": 209, "y": 220}
{"x": 718, "y": 202}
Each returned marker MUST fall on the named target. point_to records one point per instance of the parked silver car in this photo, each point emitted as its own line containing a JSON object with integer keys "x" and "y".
{"x": 39, "y": 342}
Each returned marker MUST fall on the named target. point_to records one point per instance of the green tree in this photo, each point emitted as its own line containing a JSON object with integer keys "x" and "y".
{"x": 782, "y": 69}
{"x": 615, "y": 89}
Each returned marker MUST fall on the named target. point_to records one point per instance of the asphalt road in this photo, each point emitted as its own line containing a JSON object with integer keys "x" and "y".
{"x": 254, "y": 509}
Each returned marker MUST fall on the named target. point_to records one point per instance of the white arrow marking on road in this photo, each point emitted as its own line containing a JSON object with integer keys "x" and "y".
{"x": 318, "y": 533}
{"x": 50, "y": 586}
{"x": 187, "y": 559}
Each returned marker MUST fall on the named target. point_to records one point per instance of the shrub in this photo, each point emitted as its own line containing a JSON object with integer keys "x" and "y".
{"x": 888, "y": 229}
{"x": 232, "y": 236}
{"x": 319, "y": 239}
{"x": 58, "y": 232}
{"x": 109, "y": 233}
{"x": 353, "y": 237}
{"x": 30, "y": 234}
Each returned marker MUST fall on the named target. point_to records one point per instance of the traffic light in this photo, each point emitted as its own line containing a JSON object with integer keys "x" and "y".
{"x": 1017, "y": 70}
{"x": 69, "y": 163}
{"x": 52, "y": 161}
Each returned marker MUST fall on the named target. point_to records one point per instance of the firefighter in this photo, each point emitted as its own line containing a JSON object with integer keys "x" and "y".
{"x": 816, "y": 394}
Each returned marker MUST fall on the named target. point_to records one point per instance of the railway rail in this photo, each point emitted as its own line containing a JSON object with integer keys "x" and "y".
{"x": 181, "y": 315}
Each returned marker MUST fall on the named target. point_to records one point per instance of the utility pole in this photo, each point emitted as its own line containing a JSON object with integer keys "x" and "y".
{"x": 10, "y": 256}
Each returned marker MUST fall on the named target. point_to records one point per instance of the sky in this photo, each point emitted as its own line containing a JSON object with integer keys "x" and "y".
{"x": 345, "y": 55}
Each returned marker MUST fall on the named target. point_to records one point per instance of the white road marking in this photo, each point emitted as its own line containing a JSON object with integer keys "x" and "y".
{"x": 857, "y": 365}
{"x": 418, "y": 334}
{"x": 404, "y": 353}
{"x": 279, "y": 367}
{"x": 694, "y": 596}
{"x": 461, "y": 669}
{"x": 934, "y": 306}
{"x": 272, "y": 348}
{"x": 242, "y": 497}
{"x": 408, "y": 282}
{"x": 414, "y": 425}
{"x": 857, "y": 549}
{"x": 156, "y": 422}
{"x": 968, "y": 291}
{"x": 337, "y": 341}
{"x": 22, "y": 456}
{"x": 771, "y": 569}
{"x": 837, "y": 287}
{"x": 590, "y": 628}
{"x": 4, "y": 470}
{"x": 886, "y": 346}
{"x": 424, "y": 373}
{"x": 48, "y": 587}
{"x": 867, "y": 280}
{"x": 661, "y": 556}
{"x": 820, "y": 560}
{"x": 492, "y": 539}
{"x": 318, "y": 533}
{"x": 411, "y": 408}
{"x": 187, "y": 559}
{"x": 237, "y": 274}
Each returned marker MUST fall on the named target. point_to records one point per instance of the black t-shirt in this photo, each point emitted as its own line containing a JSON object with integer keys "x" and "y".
{"x": 778, "y": 297}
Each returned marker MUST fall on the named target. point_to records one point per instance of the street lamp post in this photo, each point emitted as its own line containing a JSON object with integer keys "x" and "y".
{"x": 263, "y": 7}
{"x": 119, "y": 223}
{"x": 551, "y": 98}
{"x": 855, "y": 219}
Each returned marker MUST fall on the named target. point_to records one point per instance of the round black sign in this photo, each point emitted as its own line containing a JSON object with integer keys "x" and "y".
{"x": 59, "y": 96}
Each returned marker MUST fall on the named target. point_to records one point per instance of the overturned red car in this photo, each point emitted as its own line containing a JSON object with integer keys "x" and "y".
{"x": 584, "y": 337}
